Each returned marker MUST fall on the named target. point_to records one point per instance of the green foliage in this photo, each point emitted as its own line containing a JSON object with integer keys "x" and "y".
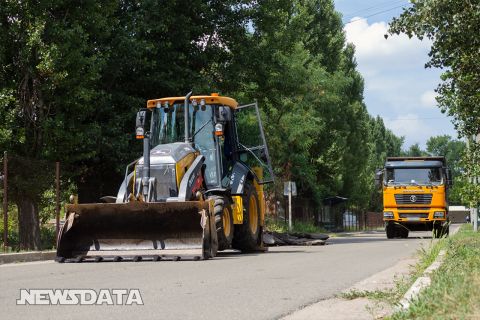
{"x": 72, "y": 77}
{"x": 298, "y": 227}
{"x": 455, "y": 286}
{"x": 415, "y": 151}
{"x": 296, "y": 63}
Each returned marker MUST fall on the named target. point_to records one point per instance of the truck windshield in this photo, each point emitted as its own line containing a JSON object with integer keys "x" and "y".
{"x": 168, "y": 126}
{"x": 414, "y": 176}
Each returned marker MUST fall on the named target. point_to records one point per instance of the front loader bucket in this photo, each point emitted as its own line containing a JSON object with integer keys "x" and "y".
{"x": 137, "y": 231}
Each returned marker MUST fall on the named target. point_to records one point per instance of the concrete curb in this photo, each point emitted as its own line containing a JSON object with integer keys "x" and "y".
{"x": 27, "y": 256}
{"x": 423, "y": 281}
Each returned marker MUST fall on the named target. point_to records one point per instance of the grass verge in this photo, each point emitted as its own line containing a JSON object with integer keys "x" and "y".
{"x": 394, "y": 295}
{"x": 455, "y": 286}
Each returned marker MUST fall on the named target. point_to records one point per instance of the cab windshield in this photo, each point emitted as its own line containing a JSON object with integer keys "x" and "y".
{"x": 414, "y": 176}
{"x": 168, "y": 126}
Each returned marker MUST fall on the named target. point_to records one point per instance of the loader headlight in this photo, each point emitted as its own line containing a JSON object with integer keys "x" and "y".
{"x": 219, "y": 129}
{"x": 140, "y": 133}
{"x": 439, "y": 214}
{"x": 388, "y": 215}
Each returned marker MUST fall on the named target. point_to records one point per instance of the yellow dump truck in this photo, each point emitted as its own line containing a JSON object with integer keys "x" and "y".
{"x": 415, "y": 195}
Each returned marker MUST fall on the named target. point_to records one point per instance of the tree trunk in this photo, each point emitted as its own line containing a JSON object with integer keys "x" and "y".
{"x": 28, "y": 224}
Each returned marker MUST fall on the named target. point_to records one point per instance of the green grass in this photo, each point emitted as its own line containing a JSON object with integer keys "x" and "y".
{"x": 47, "y": 238}
{"x": 300, "y": 227}
{"x": 455, "y": 289}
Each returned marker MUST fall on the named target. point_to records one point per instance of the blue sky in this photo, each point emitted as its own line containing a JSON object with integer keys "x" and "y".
{"x": 397, "y": 86}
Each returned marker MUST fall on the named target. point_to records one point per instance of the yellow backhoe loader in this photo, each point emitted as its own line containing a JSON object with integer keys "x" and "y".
{"x": 197, "y": 189}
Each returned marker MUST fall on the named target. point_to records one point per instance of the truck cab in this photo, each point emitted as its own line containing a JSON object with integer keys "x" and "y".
{"x": 415, "y": 195}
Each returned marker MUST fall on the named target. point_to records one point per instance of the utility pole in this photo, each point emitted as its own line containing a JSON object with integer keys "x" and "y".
{"x": 290, "y": 206}
{"x": 57, "y": 198}
{"x": 473, "y": 180}
{"x": 5, "y": 201}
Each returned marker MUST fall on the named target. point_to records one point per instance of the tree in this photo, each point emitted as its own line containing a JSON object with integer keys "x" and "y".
{"x": 415, "y": 151}
{"x": 52, "y": 54}
{"x": 453, "y": 151}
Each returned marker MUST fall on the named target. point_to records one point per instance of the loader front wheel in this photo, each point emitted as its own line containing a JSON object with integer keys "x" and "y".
{"x": 223, "y": 222}
{"x": 247, "y": 234}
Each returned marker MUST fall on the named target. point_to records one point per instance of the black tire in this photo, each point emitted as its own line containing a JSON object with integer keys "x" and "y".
{"x": 223, "y": 222}
{"x": 440, "y": 230}
{"x": 390, "y": 230}
{"x": 402, "y": 231}
{"x": 437, "y": 230}
{"x": 247, "y": 234}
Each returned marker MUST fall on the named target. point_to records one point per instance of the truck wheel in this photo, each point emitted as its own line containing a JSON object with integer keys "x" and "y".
{"x": 247, "y": 234}
{"x": 223, "y": 222}
{"x": 403, "y": 232}
{"x": 441, "y": 231}
{"x": 390, "y": 231}
{"x": 437, "y": 230}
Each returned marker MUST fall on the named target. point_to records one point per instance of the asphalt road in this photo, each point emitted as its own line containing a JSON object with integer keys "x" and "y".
{"x": 232, "y": 286}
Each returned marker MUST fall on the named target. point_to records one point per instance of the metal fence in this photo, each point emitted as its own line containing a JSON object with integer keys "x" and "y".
{"x": 337, "y": 218}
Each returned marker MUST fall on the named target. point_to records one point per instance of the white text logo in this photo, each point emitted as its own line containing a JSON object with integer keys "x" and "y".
{"x": 79, "y": 297}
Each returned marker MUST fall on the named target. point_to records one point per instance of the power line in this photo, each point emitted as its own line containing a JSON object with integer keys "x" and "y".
{"x": 413, "y": 119}
{"x": 378, "y": 6}
{"x": 374, "y": 14}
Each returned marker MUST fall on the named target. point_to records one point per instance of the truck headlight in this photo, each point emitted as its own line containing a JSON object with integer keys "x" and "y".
{"x": 388, "y": 215}
{"x": 439, "y": 214}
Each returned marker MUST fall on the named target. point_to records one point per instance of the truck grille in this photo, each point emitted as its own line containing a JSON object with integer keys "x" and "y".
{"x": 413, "y": 215}
{"x": 166, "y": 180}
{"x": 423, "y": 198}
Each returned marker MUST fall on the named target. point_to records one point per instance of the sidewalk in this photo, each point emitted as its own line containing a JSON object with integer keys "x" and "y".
{"x": 27, "y": 256}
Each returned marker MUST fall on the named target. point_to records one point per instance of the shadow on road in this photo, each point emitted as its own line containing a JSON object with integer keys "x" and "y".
{"x": 238, "y": 254}
{"x": 350, "y": 240}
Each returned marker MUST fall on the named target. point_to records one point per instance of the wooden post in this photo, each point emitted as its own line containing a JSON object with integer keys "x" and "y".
{"x": 57, "y": 199}
{"x": 5, "y": 201}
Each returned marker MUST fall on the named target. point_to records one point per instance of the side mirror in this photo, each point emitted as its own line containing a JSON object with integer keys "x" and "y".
{"x": 140, "y": 123}
{"x": 378, "y": 177}
{"x": 224, "y": 114}
{"x": 448, "y": 173}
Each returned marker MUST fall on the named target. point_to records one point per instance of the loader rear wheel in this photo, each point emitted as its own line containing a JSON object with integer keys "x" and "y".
{"x": 247, "y": 234}
{"x": 223, "y": 222}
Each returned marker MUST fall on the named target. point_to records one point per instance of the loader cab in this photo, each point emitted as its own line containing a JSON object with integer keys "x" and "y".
{"x": 209, "y": 132}
{"x": 226, "y": 134}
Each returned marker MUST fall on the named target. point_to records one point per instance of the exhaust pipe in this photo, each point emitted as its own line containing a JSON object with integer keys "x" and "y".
{"x": 187, "y": 100}
{"x": 146, "y": 166}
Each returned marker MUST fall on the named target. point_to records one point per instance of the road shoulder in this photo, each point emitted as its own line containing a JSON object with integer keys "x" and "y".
{"x": 359, "y": 308}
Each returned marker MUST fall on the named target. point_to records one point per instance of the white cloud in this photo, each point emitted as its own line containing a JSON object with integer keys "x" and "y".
{"x": 428, "y": 99}
{"x": 411, "y": 126}
{"x": 371, "y": 45}
{"x": 397, "y": 86}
